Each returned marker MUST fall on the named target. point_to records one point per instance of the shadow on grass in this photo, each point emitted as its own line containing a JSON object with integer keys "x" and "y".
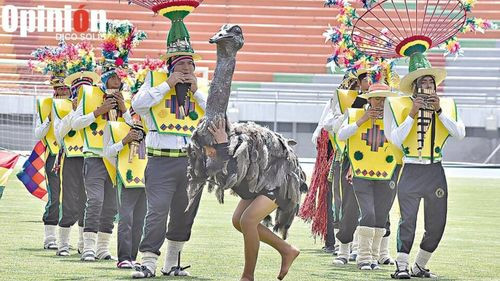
{"x": 315, "y": 251}
{"x": 36, "y": 250}
{"x": 128, "y": 277}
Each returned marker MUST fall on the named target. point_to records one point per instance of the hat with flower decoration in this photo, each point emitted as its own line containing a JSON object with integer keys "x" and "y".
{"x": 81, "y": 65}
{"x": 118, "y": 40}
{"x": 51, "y": 61}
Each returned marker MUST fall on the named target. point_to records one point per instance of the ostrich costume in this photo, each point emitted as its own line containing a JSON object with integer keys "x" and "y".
{"x": 255, "y": 161}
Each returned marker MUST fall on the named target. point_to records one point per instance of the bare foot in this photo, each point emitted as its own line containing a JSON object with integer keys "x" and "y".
{"x": 287, "y": 259}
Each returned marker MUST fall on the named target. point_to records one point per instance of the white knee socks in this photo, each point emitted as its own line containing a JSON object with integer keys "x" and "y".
{"x": 365, "y": 239}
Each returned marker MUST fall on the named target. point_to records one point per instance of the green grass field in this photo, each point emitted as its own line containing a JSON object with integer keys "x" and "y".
{"x": 470, "y": 249}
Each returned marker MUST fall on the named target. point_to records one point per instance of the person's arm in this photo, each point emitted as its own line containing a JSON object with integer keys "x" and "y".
{"x": 455, "y": 128}
{"x": 80, "y": 121}
{"x": 41, "y": 129}
{"x": 338, "y": 119}
{"x": 400, "y": 133}
{"x": 201, "y": 99}
{"x": 347, "y": 130}
{"x": 329, "y": 118}
{"x": 128, "y": 118}
{"x": 148, "y": 96}
{"x": 110, "y": 149}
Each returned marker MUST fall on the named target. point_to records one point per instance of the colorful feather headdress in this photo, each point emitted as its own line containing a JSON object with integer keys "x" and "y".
{"x": 81, "y": 64}
{"x": 390, "y": 29}
{"x": 51, "y": 61}
{"x": 118, "y": 40}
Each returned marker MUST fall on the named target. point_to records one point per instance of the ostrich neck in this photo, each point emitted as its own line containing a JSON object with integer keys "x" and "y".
{"x": 220, "y": 88}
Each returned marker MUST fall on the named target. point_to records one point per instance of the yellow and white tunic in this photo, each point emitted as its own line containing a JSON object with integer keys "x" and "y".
{"x": 402, "y": 129}
{"x": 44, "y": 129}
{"x": 156, "y": 103}
{"x": 370, "y": 153}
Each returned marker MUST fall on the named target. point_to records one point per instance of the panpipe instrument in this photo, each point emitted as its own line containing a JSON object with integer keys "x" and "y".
{"x": 424, "y": 118}
{"x": 113, "y": 113}
{"x": 181, "y": 90}
{"x": 136, "y": 145}
{"x": 380, "y": 115}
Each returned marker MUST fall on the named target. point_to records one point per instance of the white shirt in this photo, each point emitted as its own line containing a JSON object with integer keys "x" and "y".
{"x": 62, "y": 126}
{"x": 347, "y": 130}
{"x": 337, "y": 119}
{"x": 148, "y": 97}
{"x": 397, "y": 134}
{"x": 41, "y": 129}
{"x": 325, "y": 121}
{"x": 111, "y": 149}
{"x": 80, "y": 121}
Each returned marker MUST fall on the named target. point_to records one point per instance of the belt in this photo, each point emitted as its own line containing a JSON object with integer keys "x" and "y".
{"x": 89, "y": 154}
{"x": 174, "y": 153}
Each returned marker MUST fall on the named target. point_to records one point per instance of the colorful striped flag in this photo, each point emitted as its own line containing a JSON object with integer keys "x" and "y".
{"x": 33, "y": 173}
{"x": 8, "y": 161}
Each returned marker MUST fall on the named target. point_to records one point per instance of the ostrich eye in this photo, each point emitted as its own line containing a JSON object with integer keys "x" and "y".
{"x": 236, "y": 29}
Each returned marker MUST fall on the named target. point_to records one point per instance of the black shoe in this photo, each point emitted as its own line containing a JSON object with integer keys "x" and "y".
{"x": 422, "y": 273}
{"x": 401, "y": 274}
{"x": 177, "y": 271}
{"x": 142, "y": 272}
{"x": 329, "y": 249}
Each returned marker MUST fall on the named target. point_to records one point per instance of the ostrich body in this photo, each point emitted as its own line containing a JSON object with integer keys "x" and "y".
{"x": 255, "y": 160}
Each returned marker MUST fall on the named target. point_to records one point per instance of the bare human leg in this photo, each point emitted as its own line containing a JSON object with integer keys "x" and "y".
{"x": 246, "y": 219}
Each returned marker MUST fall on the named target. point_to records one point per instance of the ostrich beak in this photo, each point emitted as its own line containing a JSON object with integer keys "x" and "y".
{"x": 222, "y": 34}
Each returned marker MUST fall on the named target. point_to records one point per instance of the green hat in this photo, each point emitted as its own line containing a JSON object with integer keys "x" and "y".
{"x": 420, "y": 66}
{"x": 178, "y": 41}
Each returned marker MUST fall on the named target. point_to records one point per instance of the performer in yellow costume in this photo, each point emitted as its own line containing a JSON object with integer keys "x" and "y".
{"x": 171, "y": 106}
{"x": 99, "y": 105}
{"x": 349, "y": 209}
{"x": 79, "y": 66}
{"x": 50, "y": 60}
{"x": 420, "y": 124}
{"x": 375, "y": 170}
{"x": 126, "y": 150}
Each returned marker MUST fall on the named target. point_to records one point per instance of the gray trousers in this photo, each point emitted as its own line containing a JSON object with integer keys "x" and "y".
{"x": 131, "y": 212}
{"x": 375, "y": 199}
{"x": 418, "y": 182}
{"x": 51, "y": 214}
{"x": 101, "y": 205}
{"x": 73, "y": 192}
{"x": 337, "y": 201}
{"x": 166, "y": 194}
{"x": 349, "y": 211}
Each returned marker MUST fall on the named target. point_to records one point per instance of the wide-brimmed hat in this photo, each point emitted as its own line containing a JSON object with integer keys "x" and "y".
{"x": 81, "y": 63}
{"x": 379, "y": 90}
{"x": 420, "y": 66}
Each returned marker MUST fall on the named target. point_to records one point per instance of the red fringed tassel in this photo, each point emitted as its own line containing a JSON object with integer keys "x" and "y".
{"x": 319, "y": 184}
{"x": 319, "y": 225}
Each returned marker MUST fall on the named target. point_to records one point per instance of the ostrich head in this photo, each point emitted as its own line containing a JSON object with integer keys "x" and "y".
{"x": 229, "y": 40}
